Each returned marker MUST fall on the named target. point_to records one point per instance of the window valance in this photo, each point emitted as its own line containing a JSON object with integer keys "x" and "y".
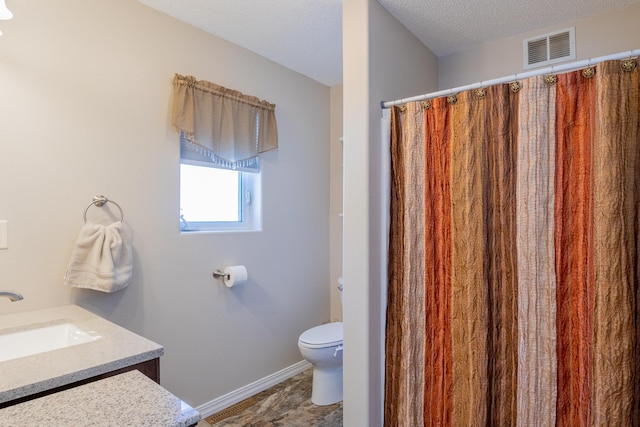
{"x": 228, "y": 124}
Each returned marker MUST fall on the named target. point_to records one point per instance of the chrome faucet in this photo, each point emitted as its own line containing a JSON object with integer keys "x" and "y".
{"x": 13, "y": 296}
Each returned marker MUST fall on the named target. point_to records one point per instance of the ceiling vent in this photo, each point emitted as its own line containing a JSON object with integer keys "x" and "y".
{"x": 550, "y": 48}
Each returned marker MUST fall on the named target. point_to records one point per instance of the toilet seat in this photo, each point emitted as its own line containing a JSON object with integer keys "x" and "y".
{"x": 327, "y": 335}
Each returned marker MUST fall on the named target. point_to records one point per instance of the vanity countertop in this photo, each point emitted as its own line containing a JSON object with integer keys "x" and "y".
{"x": 129, "y": 399}
{"x": 117, "y": 348}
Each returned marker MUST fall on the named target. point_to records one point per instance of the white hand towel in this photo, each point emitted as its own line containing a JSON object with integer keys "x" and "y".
{"x": 102, "y": 258}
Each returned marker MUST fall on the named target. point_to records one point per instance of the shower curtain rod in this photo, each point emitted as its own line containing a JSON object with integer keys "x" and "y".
{"x": 507, "y": 79}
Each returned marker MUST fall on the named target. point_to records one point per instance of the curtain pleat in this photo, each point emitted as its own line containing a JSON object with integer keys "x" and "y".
{"x": 437, "y": 225}
{"x": 404, "y": 383}
{"x": 574, "y": 246}
{"x": 469, "y": 305}
{"x": 536, "y": 389}
{"x": 513, "y": 255}
{"x": 500, "y": 254}
{"x": 615, "y": 171}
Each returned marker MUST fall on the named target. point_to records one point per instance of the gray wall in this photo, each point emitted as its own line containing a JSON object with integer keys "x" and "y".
{"x": 336, "y": 193}
{"x": 382, "y": 61}
{"x": 85, "y": 110}
{"x": 603, "y": 34}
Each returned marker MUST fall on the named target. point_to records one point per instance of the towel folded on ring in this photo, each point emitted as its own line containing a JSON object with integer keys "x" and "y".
{"x": 102, "y": 258}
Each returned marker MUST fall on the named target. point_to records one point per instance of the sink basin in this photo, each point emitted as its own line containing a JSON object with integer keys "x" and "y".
{"x": 43, "y": 339}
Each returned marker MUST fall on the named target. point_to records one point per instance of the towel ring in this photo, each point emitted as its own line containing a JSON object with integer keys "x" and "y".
{"x": 99, "y": 200}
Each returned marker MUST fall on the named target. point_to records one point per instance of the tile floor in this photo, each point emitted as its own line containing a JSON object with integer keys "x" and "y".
{"x": 286, "y": 404}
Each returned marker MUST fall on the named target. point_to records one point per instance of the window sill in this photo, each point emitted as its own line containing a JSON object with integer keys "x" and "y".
{"x": 195, "y": 231}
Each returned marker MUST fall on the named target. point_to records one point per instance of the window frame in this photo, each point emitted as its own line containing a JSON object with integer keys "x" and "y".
{"x": 248, "y": 200}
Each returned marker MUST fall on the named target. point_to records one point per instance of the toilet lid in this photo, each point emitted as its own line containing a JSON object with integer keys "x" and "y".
{"x": 326, "y": 335}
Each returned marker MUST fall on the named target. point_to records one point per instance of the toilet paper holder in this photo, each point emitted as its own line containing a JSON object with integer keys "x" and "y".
{"x": 232, "y": 275}
{"x": 219, "y": 274}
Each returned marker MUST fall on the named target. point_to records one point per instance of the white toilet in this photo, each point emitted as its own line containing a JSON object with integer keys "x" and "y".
{"x": 322, "y": 347}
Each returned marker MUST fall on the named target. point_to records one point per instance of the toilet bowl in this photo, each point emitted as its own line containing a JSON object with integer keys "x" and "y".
{"x": 322, "y": 347}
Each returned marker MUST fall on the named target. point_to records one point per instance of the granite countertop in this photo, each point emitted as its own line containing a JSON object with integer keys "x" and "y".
{"x": 117, "y": 348}
{"x": 122, "y": 400}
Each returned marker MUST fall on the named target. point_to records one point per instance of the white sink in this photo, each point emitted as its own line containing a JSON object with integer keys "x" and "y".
{"x": 43, "y": 339}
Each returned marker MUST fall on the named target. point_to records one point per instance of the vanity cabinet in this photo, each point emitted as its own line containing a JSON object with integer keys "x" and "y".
{"x": 150, "y": 368}
{"x": 115, "y": 351}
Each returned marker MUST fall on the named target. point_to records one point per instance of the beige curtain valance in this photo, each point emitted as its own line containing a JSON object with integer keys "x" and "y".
{"x": 232, "y": 126}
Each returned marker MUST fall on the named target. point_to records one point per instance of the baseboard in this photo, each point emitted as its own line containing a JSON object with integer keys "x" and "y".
{"x": 229, "y": 399}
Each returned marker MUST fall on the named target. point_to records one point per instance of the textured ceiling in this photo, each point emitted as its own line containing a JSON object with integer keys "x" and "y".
{"x": 306, "y": 35}
{"x": 451, "y": 26}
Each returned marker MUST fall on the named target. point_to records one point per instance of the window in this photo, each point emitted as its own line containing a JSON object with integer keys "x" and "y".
{"x": 214, "y": 198}
{"x": 222, "y": 132}
{"x": 209, "y": 194}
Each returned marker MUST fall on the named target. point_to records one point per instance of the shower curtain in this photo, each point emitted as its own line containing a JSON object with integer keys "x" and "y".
{"x": 513, "y": 254}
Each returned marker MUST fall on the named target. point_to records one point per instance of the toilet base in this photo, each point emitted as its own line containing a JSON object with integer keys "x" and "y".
{"x": 327, "y": 386}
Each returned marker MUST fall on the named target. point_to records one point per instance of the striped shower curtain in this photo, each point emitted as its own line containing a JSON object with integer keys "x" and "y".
{"x": 514, "y": 254}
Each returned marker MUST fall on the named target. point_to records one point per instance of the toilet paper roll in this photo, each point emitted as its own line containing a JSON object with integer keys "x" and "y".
{"x": 235, "y": 275}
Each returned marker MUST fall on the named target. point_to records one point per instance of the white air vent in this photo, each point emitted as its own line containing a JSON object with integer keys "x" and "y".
{"x": 550, "y": 48}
